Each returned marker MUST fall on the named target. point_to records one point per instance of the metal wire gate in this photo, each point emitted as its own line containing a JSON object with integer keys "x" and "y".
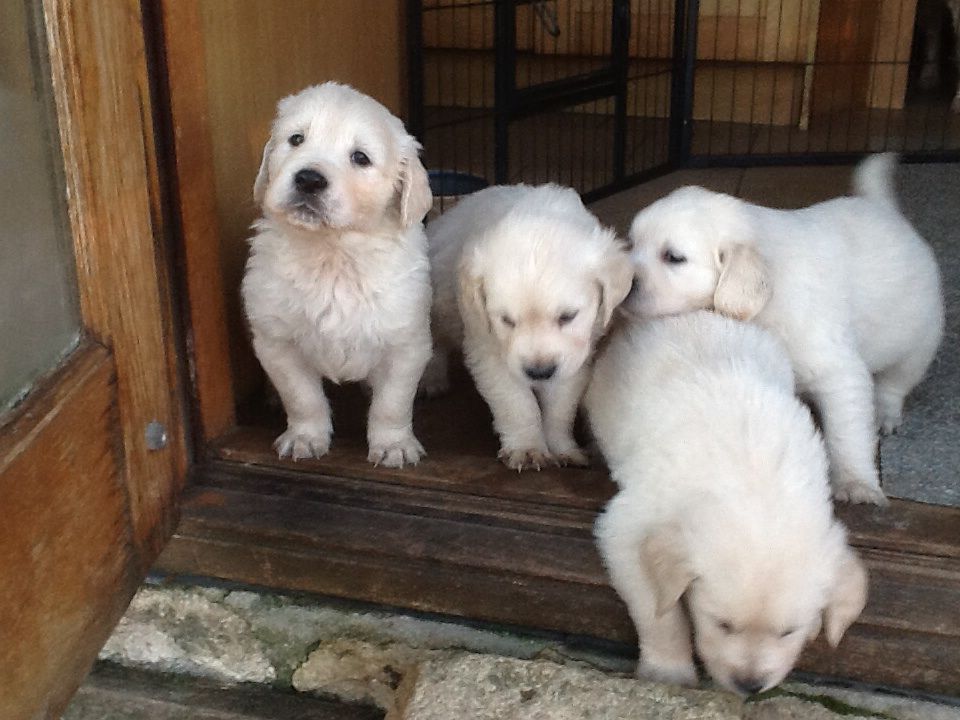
{"x": 601, "y": 94}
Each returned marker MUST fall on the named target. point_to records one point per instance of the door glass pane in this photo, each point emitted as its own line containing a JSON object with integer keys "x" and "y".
{"x": 39, "y": 318}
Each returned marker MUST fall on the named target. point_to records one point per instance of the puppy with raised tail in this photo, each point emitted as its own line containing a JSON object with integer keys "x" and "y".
{"x": 724, "y": 504}
{"x": 526, "y": 280}
{"x": 848, "y": 285}
{"x": 337, "y": 285}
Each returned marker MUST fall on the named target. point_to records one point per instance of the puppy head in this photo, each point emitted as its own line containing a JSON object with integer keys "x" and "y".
{"x": 692, "y": 250}
{"x": 751, "y": 614}
{"x": 338, "y": 159}
{"x": 544, "y": 291}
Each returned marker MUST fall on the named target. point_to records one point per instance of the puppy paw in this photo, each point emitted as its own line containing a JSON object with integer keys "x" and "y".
{"x": 888, "y": 424}
{"x": 573, "y": 456}
{"x": 396, "y": 454}
{"x": 856, "y": 491}
{"x": 298, "y": 443}
{"x": 684, "y": 673}
{"x": 520, "y": 459}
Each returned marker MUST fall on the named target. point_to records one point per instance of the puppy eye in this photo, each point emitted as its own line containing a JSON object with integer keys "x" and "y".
{"x": 566, "y": 317}
{"x": 788, "y": 633}
{"x": 725, "y": 626}
{"x": 295, "y": 139}
{"x": 669, "y": 256}
{"x": 359, "y": 158}
{"x": 508, "y": 321}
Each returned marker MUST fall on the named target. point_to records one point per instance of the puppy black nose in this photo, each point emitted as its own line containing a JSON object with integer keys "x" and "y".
{"x": 748, "y": 685}
{"x": 540, "y": 372}
{"x": 309, "y": 182}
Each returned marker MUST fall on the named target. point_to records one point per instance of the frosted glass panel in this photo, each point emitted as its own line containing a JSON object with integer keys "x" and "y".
{"x": 39, "y": 320}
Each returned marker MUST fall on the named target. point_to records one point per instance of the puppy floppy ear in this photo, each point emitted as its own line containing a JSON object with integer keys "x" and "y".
{"x": 743, "y": 288}
{"x": 416, "y": 198}
{"x": 663, "y": 555}
{"x": 614, "y": 278}
{"x": 472, "y": 296}
{"x": 847, "y": 598}
{"x": 263, "y": 175}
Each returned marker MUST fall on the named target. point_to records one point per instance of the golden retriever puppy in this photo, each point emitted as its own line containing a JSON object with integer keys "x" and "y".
{"x": 337, "y": 285}
{"x": 848, "y": 285}
{"x": 526, "y": 280}
{"x": 724, "y": 504}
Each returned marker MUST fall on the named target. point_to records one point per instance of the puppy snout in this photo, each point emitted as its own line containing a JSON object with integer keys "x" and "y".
{"x": 310, "y": 182}
{"x": 748, "y": 685}
{"x": 540, "y": 371}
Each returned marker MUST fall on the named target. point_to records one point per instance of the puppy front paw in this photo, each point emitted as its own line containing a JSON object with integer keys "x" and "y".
{"x": 520, "y": 459}
{"x": 682, "y": 673}
{"x": 888, "y": 424}
{"x": 853, "y": 490}
{"x": 299, "y": 442}
{"x": 574, "y": 457}
{"x": 396, "y": 453}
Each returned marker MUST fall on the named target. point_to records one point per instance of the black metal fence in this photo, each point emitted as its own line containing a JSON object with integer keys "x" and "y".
{"x": 599, "y": 94}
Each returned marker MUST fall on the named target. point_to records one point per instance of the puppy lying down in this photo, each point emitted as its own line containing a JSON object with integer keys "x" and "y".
{"x": 848, "y": 285}
{"x": 723, "y": 504}
{"x": 525, "y": 280}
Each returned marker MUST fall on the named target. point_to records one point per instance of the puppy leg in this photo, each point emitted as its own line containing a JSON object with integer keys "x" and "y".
{"x": 516, "y": 414}
{"x": 436, "y": 376}
{"x": 666, "y": 651}
{"x": 308, "y": 413}
{"x": 844, "y": 397}
{"x": 390, "y": 423}
{"x": 559, "y": 401}
{"x": 894, "y": 383}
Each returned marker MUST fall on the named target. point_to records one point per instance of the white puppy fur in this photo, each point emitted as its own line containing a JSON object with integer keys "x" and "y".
{"x": 724, "y": 503}
{"x": 337, "y": 285}
{"x": 848, "y": 285}
{"x": 526, "y": 280}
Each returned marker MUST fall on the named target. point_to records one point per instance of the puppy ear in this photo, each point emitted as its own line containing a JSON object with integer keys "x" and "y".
{"x": 263, "y": 175}
{"x": 614, "y": 279}
{"x": 743, "y": 288}
{"x": 663, "y": 555}
{"x": 472, "y": 297}
{"x": 848, "y": 596}
{"x": 416, "y": 198}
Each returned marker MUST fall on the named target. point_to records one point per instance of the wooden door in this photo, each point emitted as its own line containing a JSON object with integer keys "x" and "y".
{"x": 93, "y": 458}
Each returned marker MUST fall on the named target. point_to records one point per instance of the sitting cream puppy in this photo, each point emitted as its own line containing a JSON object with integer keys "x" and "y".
{"x": 848, "y": 285}
{"x": 536, "y": 279}
{"x": 724, "y": 503}
{"x": 337, "y": 285}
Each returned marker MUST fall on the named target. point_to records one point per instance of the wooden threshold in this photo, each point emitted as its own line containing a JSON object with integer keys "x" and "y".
{"x": 461, "y": 535}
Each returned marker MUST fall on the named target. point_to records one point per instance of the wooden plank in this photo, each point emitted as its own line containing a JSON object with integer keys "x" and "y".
{"x": 103, "y": 103}
{"x": 195, "y": 200}
{"x": 501, "y": 559}
{"x": 70, "y": 564}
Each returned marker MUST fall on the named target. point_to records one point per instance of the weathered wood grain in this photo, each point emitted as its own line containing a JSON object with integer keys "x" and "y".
{"x": 69, "y": 561}
{"x": 103, "y": 103}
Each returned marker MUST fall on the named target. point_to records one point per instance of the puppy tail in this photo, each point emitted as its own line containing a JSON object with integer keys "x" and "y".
{"x": 873, "y": 178}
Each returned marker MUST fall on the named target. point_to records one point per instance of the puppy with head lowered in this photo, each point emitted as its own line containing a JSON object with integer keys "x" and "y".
{"x": 337, "y": 285}
{"x": 526, "y": 280}
{"x": 724, "y": 504}
{"x": 848, "y": 285}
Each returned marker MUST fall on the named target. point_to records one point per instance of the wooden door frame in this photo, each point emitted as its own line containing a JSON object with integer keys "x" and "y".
{"x": 89, "y": 496}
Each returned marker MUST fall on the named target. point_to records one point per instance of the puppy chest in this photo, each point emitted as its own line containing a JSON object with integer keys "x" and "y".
{"x": 341, "y": 323}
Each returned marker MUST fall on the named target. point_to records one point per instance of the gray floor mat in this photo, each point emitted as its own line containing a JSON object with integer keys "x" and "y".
{"x": 922, "y": 461}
